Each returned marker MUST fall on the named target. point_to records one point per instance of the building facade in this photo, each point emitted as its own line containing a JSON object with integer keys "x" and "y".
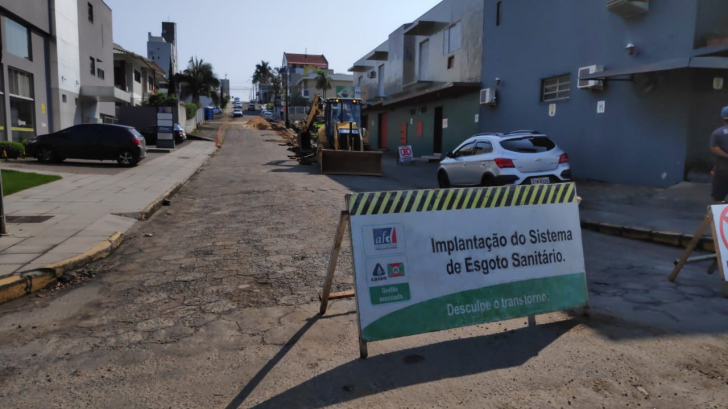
{"x": 136, "y": 75}
{"x": 650, "y": 90}
{"x": 294, "y": 65}
{"x": 342, "y": 85}
{"x": 163, "y": 49}
{"x": 421, "y": 85}
{"x": 25, "y": 33}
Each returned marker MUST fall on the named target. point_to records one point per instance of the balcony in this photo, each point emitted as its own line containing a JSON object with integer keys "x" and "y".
{"x": 104, "y": 94}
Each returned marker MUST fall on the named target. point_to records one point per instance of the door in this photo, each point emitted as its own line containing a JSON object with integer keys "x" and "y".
{"x": 437, "y": 139}
{"x": 383, "y": 130}
{"x": 460, "y": 167}
{"x": 424, "y": 60}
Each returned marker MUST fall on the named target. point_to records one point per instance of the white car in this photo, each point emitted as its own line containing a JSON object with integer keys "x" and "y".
{"x": 237, "y": 112}
{"x": 217, "y": 110}
{"x": 516, "y": 158}
{"x": 267, "y": 114}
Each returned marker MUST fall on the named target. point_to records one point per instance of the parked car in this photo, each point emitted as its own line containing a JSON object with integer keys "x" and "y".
{"x": 150, "y": 134}
{"x": 237, "y": 112}
{"x": 217, "y": 110}
{"x": 516, "y": 158}
{"x": 251, "y": 107}
{"x": 90, "y": 141}
{"x": 267, "y": 114}
{"x": 236, "y": 99}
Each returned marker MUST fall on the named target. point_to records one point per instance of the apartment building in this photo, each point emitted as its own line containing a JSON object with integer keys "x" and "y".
{"x": 136, "y": 75}
{"x": 422, "y": 84}
{"x": 163, "y": 49}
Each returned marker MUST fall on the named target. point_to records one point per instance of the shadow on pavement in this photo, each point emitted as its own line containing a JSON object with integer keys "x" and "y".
{"x": 381, "y": 373}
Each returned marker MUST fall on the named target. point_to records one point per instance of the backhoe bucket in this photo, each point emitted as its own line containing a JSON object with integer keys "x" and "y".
{"x": 333, "y": 162}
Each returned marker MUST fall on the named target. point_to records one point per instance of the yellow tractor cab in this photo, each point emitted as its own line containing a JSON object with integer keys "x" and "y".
{"x": 343, "y": 129}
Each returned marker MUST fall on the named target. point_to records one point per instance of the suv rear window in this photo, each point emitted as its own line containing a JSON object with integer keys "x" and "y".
{"x": 532, "y": 144}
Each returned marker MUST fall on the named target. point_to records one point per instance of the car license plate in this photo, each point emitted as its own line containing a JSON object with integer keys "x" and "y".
{"x": 540, "y": 181}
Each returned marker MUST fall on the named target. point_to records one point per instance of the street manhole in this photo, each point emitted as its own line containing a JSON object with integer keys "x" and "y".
{"x": 26, "y": 219}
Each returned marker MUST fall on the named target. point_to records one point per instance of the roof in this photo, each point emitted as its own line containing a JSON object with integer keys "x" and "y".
{"x": 334, "y": 77}
{"x": 119, "y": 50}
{"x": 307, "y": 59}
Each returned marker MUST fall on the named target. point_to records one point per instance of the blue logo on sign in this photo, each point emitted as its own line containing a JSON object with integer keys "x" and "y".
{"x": 385, "y": 239}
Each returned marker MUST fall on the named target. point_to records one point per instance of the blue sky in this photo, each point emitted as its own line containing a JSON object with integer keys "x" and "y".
{"x": 234, "y": 35}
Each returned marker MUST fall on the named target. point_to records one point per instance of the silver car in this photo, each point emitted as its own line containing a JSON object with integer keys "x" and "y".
{"x": 516, "y": 158}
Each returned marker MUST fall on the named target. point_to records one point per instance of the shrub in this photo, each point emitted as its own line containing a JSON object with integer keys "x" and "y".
{"x": 14, "y": 150}
{"x": 161, "y": 100}
{"x": 191, "y": 110}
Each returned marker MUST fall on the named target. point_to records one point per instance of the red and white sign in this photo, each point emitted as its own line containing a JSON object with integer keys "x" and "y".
{"x": 405, "y": 154}
{"x": 720, "y": 232}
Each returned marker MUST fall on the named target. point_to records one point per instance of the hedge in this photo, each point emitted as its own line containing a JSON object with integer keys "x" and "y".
{"x": 14, "y": 150}
{"x": 191, "y": 110}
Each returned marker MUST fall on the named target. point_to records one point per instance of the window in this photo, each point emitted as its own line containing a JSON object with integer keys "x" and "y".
{"x": 137, "y": 76}
{"x": 64, "y": 98}
{"x": 100, "y": 73}
{"x": 91, "y": 12}
{"x": 22, "y": 104}
{"x": 150, "y": 83}
{"x": 483, "y": 147}
{"x": 304, "y": 93}
{"x": 498, "y": 11}
{"x": 555, "y": 88}
{"x": 465, "y": 150}
{"x": 531, "y": 144}
{"x": 453, "y": 38}
{"x": 18, "y": 39}
{"x": 93, "y": 65}
{"x": 450, "y": 62}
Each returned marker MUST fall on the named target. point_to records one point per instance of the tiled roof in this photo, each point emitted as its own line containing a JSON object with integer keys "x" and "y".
{"x": 307, "y": 59}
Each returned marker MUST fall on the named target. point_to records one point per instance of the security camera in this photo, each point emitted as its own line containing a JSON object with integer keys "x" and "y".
{"x": 631, "y": 48}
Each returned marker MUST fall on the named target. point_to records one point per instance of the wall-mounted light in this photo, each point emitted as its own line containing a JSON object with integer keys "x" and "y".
{"x": 631, "y": 48}
{"x": 498, "y": 81}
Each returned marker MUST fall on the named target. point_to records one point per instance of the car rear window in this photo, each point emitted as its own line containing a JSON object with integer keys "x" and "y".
{"x": 532, "y": 144}
{"x": 135, "y": 132}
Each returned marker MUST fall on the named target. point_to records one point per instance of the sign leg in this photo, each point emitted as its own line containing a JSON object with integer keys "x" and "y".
{"x": 694, "y": 242}
{"x": 343, "y": 219}
{"x": 531, "y": 320}
{"x": 363, "y": 352}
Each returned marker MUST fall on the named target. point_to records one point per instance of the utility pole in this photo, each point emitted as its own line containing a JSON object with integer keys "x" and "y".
{"x": 285, "y": 91}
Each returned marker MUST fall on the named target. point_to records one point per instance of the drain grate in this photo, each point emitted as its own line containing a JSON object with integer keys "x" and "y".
{"x": 26, "y": 219}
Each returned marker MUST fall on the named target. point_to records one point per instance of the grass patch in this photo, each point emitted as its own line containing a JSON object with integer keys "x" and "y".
{"x": 14, "y": 181}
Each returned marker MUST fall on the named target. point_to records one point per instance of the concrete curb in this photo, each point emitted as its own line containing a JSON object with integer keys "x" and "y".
{"x": 28, "y": 282}
{"x": 659, "y": 237}
{"x": 157, "y": 203}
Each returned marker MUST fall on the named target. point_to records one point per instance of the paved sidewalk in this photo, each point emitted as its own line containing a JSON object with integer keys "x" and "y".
{"x": 86, "y": 209}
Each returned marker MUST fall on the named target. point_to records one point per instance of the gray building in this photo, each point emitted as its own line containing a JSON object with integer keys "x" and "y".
{"x": 422, "y": 84}
{"x": 24, "y": 99}
{"x": 631, "y": 89}
{"x": 163, "y": 49}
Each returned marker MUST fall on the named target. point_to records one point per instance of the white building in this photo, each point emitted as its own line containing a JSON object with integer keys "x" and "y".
{"x": 163, "y": 49}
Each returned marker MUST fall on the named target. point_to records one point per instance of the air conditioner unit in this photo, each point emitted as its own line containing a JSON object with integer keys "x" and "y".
{"x": 372, "y": 74}
{"x": 590, "y": 84}
{"x": 628, "y": 8}
{"x": 487, "y": 96}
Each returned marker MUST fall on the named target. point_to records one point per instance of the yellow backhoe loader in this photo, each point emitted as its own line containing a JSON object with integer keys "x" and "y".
{"x": 340, "y": 143}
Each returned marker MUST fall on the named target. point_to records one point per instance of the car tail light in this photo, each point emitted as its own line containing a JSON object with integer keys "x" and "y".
{"x": 504, "y": 163}
{"x": 137, "y": 141}
{"x": 564, "y": 158}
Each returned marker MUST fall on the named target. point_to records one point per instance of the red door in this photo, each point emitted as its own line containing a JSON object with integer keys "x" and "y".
{"x": 383, "y": 130}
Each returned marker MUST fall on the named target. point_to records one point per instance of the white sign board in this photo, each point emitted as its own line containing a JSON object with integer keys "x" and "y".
{"x": 444, "y": 123}
{"x": 720, "y": 234}
{"x": 601, "y": 107}
{"x": 552, "y": 110}
{"x": 431, "y": 260}
{"x": 405, "y": 154}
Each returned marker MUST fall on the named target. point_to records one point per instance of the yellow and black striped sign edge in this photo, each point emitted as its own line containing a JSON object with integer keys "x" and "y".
{"x": 410, "y": 201}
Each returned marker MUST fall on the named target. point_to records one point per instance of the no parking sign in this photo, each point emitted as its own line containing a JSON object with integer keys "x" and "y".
{"x": 405, "y": 154}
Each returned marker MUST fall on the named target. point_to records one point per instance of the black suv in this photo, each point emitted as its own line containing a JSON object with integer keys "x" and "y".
{"x": 90, "y": 141}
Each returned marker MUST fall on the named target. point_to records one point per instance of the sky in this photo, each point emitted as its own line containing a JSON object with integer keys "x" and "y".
{"x": 234, "y": 35}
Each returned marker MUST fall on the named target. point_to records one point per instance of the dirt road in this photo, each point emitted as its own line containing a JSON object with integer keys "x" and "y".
{"x": 217, "y": 309}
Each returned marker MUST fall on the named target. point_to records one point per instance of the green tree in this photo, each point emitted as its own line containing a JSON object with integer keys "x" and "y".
{"x": 262, "y": 73}
{"x": 161, "y": 100}
{"x": 323, "y": 81}
{"x": 199, "y": 80}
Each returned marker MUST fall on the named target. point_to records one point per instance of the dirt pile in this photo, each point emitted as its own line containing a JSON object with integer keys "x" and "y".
{"x": 259, "y": 123}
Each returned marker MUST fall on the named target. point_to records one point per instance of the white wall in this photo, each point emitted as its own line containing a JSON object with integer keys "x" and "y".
{"x": 65, "y": 63}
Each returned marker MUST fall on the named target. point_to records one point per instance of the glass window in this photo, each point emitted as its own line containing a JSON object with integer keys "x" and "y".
{"x": 101, "y": 74}
{"x": 533, "y": 144}
{"x": 93, "y": 65}
{"x": 18, "y": 39}
{"x": 556, "y": 88}
{"x": 137, "y": 76}
{"x": 22, "y": 104}
{"x": 453, "y": 38}
{"x": 483, "y": 147}
{"x": 466, "y": 150}
{"x": 91, "y": 12}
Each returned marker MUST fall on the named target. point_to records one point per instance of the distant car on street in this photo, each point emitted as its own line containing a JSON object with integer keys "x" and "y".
{"x": 90, "y": 141}
{"x": 516, "y": 158}
{"x": 267, "y": 114}
{"x": 251, "y": 107}
{"x": 150, "y": 134}
{"x": 237, "y": 112}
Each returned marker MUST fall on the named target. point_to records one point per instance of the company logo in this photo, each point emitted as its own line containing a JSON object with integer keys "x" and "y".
{"x": 395, "y": 270}
{"x": 378, "y": 274}
{"x": 385, "y": 239}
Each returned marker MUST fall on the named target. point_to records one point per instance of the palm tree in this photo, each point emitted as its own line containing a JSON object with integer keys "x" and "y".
{"x": 199, "y": 79}
{"x": 262, "y": 73}
{"x": 323, "y": 81}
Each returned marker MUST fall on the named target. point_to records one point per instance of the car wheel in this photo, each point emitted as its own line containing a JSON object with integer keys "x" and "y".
{"x": 487, "y": 180}
{"x": 126, "y": 158}
{"x": 45, "y": 154}
{"x": 443, "y": 180}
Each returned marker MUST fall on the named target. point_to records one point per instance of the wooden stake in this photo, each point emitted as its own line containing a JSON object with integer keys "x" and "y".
{"x": 333, "y": 258}
{"x": 708, "y": 221}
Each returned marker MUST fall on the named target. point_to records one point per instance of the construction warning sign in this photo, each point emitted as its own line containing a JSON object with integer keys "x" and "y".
{"x": 430, "y": 260}
{"x": 720, "y": 232}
